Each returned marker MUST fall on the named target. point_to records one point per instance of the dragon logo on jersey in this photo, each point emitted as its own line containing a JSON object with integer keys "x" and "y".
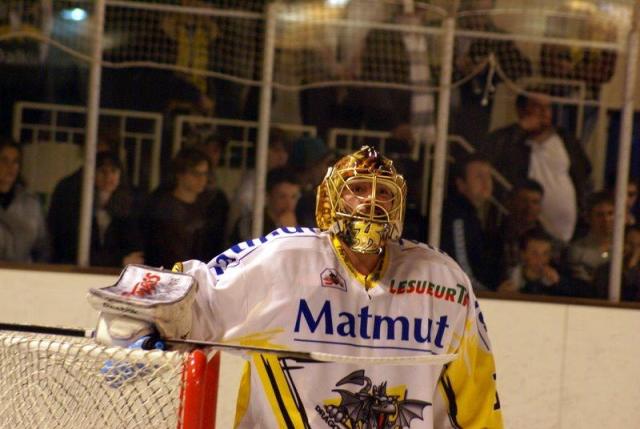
{"x": 329, "y": 277}
{"x": 371, "y": 407}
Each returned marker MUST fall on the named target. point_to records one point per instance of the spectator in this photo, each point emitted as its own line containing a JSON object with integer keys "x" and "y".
{"x": 115, "y": 234}
{"x": 399, "y": 148}
{"x": 218, "y": 203}
{"x": 393, "y": 57}
{"x": 242, "y": 205}
{"x": 463, "y": 234}
{"x": 630, "y": 202}
{"x": 631, "y": 274}
{"x": 23, "y": 234}
{"x": 534, "y": 273}
{"x": 511, "y": 59}
{"x": 594, "y": 67}
{"x": 532, "y": 148}
{"x": 283, "y": 193}
{"x": 472, "y": 103}
{"x": 524, "y": 205}
{"x": 591, "y": 66}
{"x": 310, "y": 158}
{"x": 213, "y": 146}
{"x": 176, "y": 217}
{"x": 588, "y": 253}
{"x": 319, "y": 106}
{"x": 630, "y": 269}
{"x": 193, "y": 36}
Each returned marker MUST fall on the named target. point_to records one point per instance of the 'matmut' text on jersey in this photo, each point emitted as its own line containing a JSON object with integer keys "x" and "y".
{"x": 368, "y": 326}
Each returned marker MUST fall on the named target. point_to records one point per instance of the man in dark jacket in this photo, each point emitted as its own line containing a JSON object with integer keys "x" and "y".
{"x": 115, "y": 233}
{"x": 533, "y": 148}
{"x": 464, "y": 236}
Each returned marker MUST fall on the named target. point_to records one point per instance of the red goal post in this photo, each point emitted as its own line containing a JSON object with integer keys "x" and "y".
{"x": 58, "y": 381}
{"x": 200, "y": 390}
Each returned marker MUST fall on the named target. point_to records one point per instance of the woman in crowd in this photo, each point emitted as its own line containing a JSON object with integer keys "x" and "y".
{"x": 23, "y": 236}
{"x": 115, "y": 233}
{"x": 180, "y": 218}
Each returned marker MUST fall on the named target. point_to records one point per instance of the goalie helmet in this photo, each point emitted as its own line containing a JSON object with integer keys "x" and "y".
{"x": 362, "y": 201}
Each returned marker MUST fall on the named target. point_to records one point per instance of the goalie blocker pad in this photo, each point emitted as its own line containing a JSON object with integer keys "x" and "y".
{"x": 144, "y": 298}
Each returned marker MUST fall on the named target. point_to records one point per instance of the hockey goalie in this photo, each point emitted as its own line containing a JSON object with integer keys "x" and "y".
{"x": 352, "y": 287}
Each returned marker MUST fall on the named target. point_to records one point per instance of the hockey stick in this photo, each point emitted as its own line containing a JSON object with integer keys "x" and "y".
{"x": 50, "y": 330}
{"x": 425, "y": 359}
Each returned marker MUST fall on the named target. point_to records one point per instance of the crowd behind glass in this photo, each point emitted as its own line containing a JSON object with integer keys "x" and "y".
{"x": 530, "y": 242}
{"x": 551, "y": 233}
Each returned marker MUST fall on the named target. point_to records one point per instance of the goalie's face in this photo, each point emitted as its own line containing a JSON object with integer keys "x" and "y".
{"x": 366, "y": 209}
{"x": 362, "y": 200}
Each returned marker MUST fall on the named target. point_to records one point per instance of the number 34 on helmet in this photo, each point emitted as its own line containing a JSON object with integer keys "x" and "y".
{"x": 362, "y": 200}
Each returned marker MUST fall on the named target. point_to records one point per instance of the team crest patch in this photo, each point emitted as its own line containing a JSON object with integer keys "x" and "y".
{"x": 329, "y": 277}
{"x": 371, "y": 406}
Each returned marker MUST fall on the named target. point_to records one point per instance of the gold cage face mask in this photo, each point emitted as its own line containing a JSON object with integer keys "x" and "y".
{"x": 362, "y": 200}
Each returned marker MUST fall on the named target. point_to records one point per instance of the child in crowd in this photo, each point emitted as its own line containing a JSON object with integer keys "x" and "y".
{"x": 535, "y": 274}
{"x": 283, "y": 193}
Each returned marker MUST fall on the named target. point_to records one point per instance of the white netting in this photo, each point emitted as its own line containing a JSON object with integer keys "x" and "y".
{"x": 200, "y": 38}
{"x": 360, "y": 64}
{"x": 57, "y": 382}
{"x": 575, "y": 52}
{"x": 362, "y": 43}
{"x": 567, "y": 49}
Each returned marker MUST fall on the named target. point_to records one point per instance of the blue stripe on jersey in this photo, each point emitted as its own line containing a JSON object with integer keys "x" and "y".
{"x": 239, "y": 251}
{"x": 340, "y": 343}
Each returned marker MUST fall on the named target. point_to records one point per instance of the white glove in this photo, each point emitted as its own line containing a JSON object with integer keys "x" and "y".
{"x": 144, "y": 299}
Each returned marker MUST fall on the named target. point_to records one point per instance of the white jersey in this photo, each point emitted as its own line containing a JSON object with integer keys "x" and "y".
{"x": 549, "y": 164}
{"x": 293, "y": 289}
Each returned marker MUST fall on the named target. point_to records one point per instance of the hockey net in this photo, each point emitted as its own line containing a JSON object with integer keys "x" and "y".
{"x": 64, "y": 382}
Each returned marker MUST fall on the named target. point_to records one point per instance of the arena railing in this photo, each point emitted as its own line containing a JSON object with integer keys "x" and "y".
{"x": 36, "y": 123}
{"x": 240, "y": 136}
{"x": 194, "y": 129}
